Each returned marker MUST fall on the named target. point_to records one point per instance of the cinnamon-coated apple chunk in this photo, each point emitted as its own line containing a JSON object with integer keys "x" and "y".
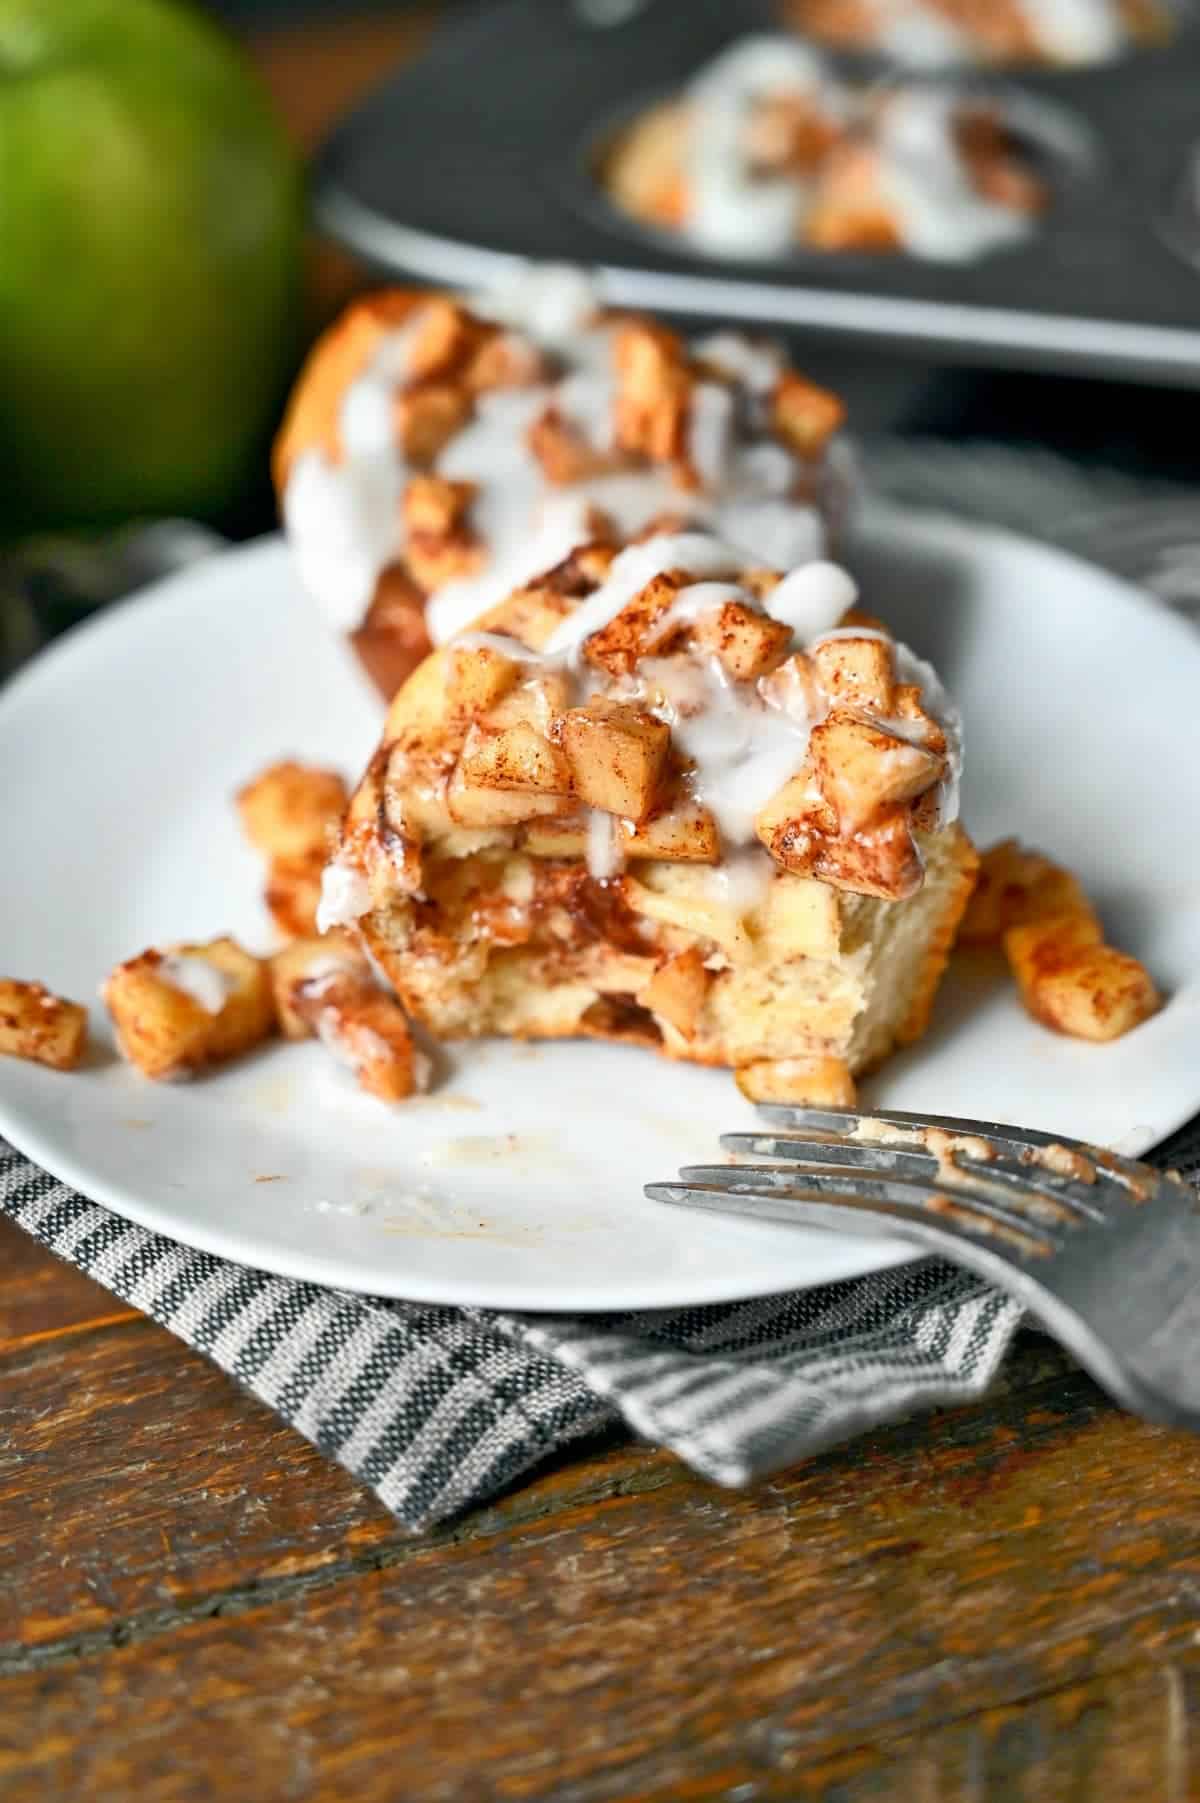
{"x": 617, "y": 755}
{"x": 293, "y": 893}
{"x": 684, "y": 833}
{"x": 427, "y": 418}
{"x": 653, "y": 391}
{"x": 473, "y": 804}
{"x": 856, "y": 672}
{"x": 745, "y": 642}
{"x": 477, "y": 677}
{"x": 1071, "y": 981}
{"x": 1017, "y": 886}
{"x": 860, "y": 768}
{"x": 324, "y": 987}
{"x": 188, "y": 1006}
{"x": 804, "y": 415}
{"x": 41, "y": 1027}
{"x": 805, "y": 1082}
{"x": 515, "y": 757}
{"x": 677, "y": 990}
{"x": 292, "y": 810}
{"x": 307, "y": 960}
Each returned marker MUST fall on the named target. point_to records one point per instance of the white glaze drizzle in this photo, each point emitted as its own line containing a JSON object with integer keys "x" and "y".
{"x": 736, "y": 210}
{"x": 345, "y": 896}
{"x": 940, "y": 213}
{"x": 344, "y": 518}
{"x": 203, "y": 983}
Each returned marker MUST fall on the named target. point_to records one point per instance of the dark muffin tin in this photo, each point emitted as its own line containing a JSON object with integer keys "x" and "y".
{"x": 481, "y": 152}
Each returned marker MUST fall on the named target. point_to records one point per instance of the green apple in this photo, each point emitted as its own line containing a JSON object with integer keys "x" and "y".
{"x": 151, "y": 215}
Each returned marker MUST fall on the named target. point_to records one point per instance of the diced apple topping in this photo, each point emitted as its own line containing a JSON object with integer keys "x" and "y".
{"x": 436, "y": 506}
{"x": 857, "y": 672}
{"x": 804, "y": 415}
{"x": 178, "y": 1010}
{"x": 427, "y": 417}
{"x": 653, "y": 392}
{"x": 683, "y": 834}
{"x": 617, "y": 755}
{"x": 41, "y": 1027}
{"x": 860, "y": 768}
{"x": 677, "y": 990}
{"x": 477, "y": 677}
{"x": 806, "y": 1082}
{"x": 475, "y": 804}
{"x": 516, "y": 757}
{"x": 745, "y": 642}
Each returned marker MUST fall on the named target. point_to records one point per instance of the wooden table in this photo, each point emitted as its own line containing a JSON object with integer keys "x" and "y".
{"x": 993, "y": 1604}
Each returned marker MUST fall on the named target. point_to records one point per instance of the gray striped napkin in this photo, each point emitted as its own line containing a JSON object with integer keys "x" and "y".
{"x": 439, "y": 1408}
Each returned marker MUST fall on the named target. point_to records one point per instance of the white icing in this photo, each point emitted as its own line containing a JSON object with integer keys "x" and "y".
{"x": 937, "y": 704}
{"x": 744, "y": 753}
{"x": 629, "y": 573}
{"x": 604, "y": 859}
{"x": 585, "y": 398}
{"x": 940, "y": 213}
{"x": 344, "y": 518}
{"x": 343, "y": 524}
{"x": 736, "y": 210}
{"x": 776, "y": 534}
{"x": 345, "y": 896}
{"x": 1077, "y": 31}
{"x": 919, "y": 35}
{"x": 553, "y": 302}
{"x": 742, "y": 879}
{"x": 711, "y": 432}
{"x": 696, "y": 600}
{"x": 202, "y": 982}
{"x": 812, "y": 599}
{"x": 755, "y": 363}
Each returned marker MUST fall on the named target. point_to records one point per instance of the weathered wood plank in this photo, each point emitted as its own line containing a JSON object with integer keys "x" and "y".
{"x": 675, "y": 1642}
{"x": 137, "y": 1481}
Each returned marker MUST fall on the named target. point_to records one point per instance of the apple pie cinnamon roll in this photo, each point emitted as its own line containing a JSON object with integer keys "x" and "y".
{"x": 437, "y": 454}
{"x": 929, "y": 33}
{"x": 769, "y": 151}
{"x": 664, "y": 794}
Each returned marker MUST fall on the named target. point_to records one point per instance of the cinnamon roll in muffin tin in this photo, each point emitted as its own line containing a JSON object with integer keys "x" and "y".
{"x": 489, "y": 149}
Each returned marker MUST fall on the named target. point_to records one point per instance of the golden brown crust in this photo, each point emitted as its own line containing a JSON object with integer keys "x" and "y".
{"x": 956, "y": 896}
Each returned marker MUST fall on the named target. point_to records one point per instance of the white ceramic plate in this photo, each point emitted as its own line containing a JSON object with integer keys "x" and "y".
{"x": 518, "y": 1183}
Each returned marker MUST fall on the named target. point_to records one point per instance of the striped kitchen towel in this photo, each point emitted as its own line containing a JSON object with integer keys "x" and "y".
{"x": 437, "y": 1409}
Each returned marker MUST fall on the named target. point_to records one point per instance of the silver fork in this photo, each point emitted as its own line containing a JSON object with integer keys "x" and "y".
{"x": 1102, "y": 1250}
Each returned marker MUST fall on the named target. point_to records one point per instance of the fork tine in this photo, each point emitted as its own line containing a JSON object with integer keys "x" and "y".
{"x": 893, "y": 1195}
{"x": 1058, "y": 1196}
{"x": 842, "y": 1199}
{"x": 893, "y": 1128}
{"x": 849, "y": 1123}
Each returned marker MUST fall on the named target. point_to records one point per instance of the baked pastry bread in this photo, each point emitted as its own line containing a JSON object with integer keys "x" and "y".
{"x": 931, "y": 33}
{"x": 769, "y": 150}
{"x": 664, "y": 795}
{"x": 441, "y": 452}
